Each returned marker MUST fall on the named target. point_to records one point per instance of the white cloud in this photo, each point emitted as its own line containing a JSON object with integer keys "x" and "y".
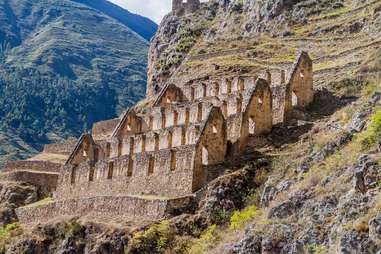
{"x": 153, "y": 9}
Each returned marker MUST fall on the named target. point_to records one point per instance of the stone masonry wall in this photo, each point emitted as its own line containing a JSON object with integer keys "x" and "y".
{"x": 126, "y": 208}
{"x": 165, "y": 172}
{"x": 60, "y": 148}
{"x": 45, "y": 180}
{"x": 104, "y": 129}
{"x": 45, "y": 166}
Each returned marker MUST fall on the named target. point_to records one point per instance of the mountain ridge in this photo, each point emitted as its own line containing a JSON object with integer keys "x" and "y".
{"x": 64, "y": 49}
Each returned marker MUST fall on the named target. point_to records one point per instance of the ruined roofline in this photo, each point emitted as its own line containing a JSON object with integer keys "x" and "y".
{"x": 209, "y": 110}
{"x": 294, "y": 68}
{"x": 134, "y": 155}
{"x": 259, "y": 82}
{"x": 212, "y": 111}
{"x": 164, "y": 90}
{"x": 122, "y": 121}
{"x": 78, "y": 145}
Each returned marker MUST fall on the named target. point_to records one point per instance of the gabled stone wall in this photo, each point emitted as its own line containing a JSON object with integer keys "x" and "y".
{"x": 64, "y": 148}
{"x": 103, "y": 130}
{"x": 43, "y": 166}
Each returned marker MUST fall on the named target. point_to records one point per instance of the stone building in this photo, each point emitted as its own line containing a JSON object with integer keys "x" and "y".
{"x": 166, "y": 149}
{"x": 163, "y": 151}
{"x": 295, "y": 92}
{"x": 169, "y": 149}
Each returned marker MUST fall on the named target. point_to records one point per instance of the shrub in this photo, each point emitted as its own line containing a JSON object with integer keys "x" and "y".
{"x": 315, "y": 249}
{"x": 208, "y": 238}
{"x": 157, "y": 237}
{"x": 240, "y": 218}
{"x": 6, "y": 234}
{"x": 370, "y": 136}
{"x": 7, "y": 230}
{"x": 74, "y": 228}
{"x": 41, "y": 202}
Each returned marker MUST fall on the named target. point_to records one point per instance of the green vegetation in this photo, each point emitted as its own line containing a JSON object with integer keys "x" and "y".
{"x": 6, "y": 234}
{"x": 7, "y": 230}
{"x": 335, "y": 13}
{"x": 157, "y": 237}
{"x": 40, "y": 203}
{"x": 315, "y": 249}
{"x": 368, "y": 138}
{"x": 207, "y": 240}
{"x": 240, "y": 218}
{"x": 74, "y": 228}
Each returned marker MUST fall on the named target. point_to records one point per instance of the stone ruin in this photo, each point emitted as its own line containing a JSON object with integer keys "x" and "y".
{"x": 168, "y": 150}
{"x": 183, "y": 7}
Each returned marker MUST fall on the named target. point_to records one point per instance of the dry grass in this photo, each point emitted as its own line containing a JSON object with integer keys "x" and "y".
{"x": 42, "y": 202}
{"x": 56, "y": 158}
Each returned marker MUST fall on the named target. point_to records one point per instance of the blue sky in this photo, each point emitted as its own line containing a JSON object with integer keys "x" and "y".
{"x": 153, "y": 9}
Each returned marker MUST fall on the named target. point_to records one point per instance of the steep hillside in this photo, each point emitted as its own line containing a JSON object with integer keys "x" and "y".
{"x": 63, "y": 66}
{"x": 245, "y": 37}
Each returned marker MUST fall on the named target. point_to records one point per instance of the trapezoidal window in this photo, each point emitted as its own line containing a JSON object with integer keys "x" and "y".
{"x": 151, "y": 165}
{"x": 132, "y": 145}
{"x": 192, "y": 93}
{"x": 108, "y": 148}
{"x": 203, "y": 90}
{"x": 173, "y": 161}
{"x": 214, "y": 129}
{"x": 91, "y": 174}
{"x": 238, "y": 105}
{"x": 294, "y": 99}
{"x": 143, "y": 143}
{"x": 130, "y": 168}
{"x": 187, "y": 113}
{"x": 183, "y": 136}
{"x": 150, "y": 124}
{"x": 205, "y": 156}
{"x": 199, "y": 112}
{"x": 163, "y": 120}
{"x": 169, "y": 139}
{"x": 73, "y": 175}
{"x": 110, "y": 170}
{"x": 217, "y": 89}
{"x": 96, "y": 154}
{"x": 251, "y": 125}
{"x": 228, "y": 86}
{"x": 175, "y": 117}
{"x": 156, "y": 137}
{"x": 120, "y": 145}
{"x": 225, "y": 108}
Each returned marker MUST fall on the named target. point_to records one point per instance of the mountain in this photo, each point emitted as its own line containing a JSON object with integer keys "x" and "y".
{"x": 65, "y": 64}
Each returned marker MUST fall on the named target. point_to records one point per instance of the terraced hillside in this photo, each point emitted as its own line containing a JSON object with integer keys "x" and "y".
{"x": 339, "y": 36}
